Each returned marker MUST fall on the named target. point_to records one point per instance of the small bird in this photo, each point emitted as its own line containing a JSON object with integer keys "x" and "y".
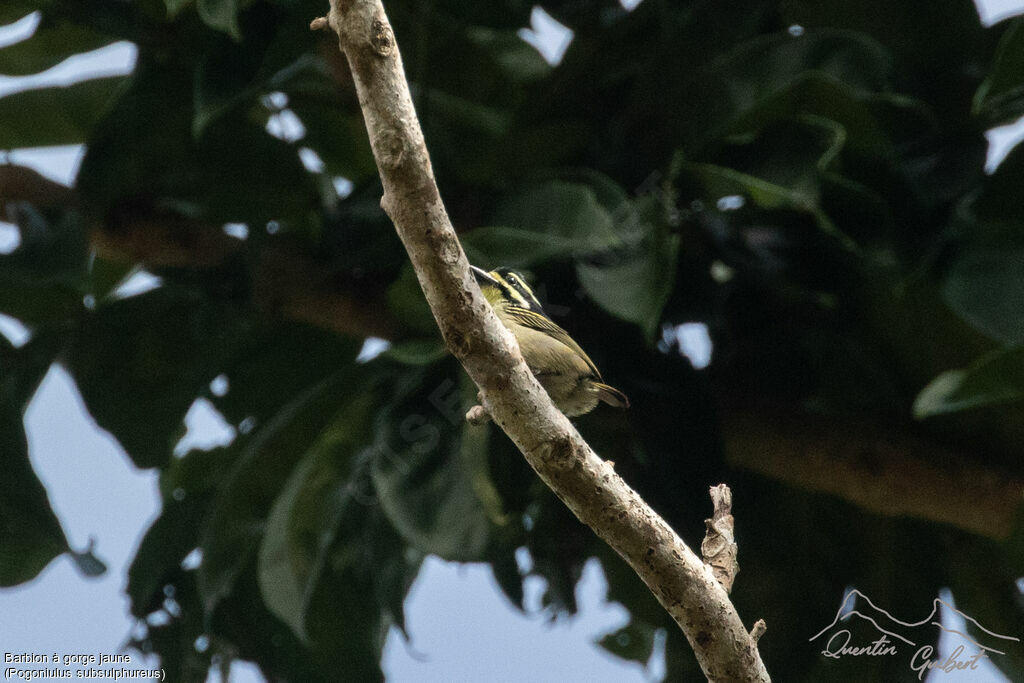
{"x": 559, "y": 364}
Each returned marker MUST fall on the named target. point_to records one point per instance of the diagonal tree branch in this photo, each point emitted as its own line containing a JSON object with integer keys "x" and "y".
{"x": 589, "y": 486}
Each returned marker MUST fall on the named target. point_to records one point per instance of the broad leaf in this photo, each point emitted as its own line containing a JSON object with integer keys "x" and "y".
{"x": 235, "y": 527}
{"x": 32, "y": 536}
{"x": 570, "y": 211}
{"x": 186, "y": 487}
{"x": 417, "y": 352}
{"x": 175, "y": 6}
{"x": 338, "y": 137}
{"x": 515, "y": 247}
{"x": 424, "y": 481}
{"x": 221, "y": 15}
{"x": 326, "y": 535}
{"x": 52, "y": 43}
{"x": 235, "y": 172}
{"x": 1000, "y": 98}
{"x": 985, "y": 286}
{"x": 13, "y": 10}
{"x": 57, "y": 115}
{"x": 407, "y": 303}
{"x": 558, "y": 218}
{"x": 141, "y": 362}
{"x": 275, "y": 364}
{"x": 43, "y": 281}
{"x": 994, "y": 379}
{"x": 634, "y": 642}
{"x": 635, "y": 288}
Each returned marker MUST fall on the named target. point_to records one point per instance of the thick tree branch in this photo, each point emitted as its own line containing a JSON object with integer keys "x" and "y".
{"x": 18, "y": 183}
{"x": 285, "y": 282}
{"x": 884, "y": 470}
{"x": 684, "y": 585}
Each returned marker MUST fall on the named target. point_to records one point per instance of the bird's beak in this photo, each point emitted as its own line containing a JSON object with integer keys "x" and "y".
{"x": 483, "y": 277}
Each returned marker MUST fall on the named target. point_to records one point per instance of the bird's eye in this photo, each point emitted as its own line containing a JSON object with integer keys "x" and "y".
{"x": 512, "y": 280}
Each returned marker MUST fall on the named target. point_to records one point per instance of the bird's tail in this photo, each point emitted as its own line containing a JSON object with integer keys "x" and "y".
{"x": 611, "y": 396}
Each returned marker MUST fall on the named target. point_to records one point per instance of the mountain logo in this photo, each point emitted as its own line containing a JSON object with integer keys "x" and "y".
{"x": 896, "y": 637}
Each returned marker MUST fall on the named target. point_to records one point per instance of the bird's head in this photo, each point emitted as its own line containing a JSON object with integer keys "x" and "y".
{"x": 505, "y": 288}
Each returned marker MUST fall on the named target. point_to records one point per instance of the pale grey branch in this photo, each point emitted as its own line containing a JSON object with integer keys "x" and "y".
{"x": 589, "y": 486}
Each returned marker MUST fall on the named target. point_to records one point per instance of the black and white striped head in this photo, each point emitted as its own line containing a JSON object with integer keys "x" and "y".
{"x": 507, "y": 287}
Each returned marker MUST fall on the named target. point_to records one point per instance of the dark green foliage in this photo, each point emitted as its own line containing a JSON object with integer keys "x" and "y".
{"x": 32, "y": 535}
{"x": 140, "y": 361}
{"x": 804, "y": 177}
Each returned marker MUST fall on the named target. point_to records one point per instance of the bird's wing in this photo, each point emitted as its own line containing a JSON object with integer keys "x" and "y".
{"x": 542, "y": 323}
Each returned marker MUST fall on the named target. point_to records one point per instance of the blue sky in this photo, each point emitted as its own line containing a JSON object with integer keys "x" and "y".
{"x": 461, "y": 627}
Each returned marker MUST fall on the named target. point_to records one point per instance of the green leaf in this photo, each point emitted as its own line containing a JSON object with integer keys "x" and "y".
{"x": 338, "y": 137}
{"x": 407, "y": 303}
{"x": 140, "y": 362}
{"x": 557, "y": 218}
{"x": 221, "y": 15}
{"x": 43, "y": 281}
{"x": 56, "y": 116}
{"x": 844, "y": 117}
{"x": 242, "y": 173}
{"x": 636, "y": 289}
{"x": 985, "y": 287}
{"x": 87, "y": 562}
{"x": 225, "y": 78}
{"x": 423, "y": 478}
{"x": 792, "y": 153}
{"x": 516, "y": 58}
{"x": 326, "y": 535}
{"x": 186, "y": 486}
{"x": 275, "y": 364}
{"x": 720, "y": 181}
{"x": 770, "y": 77}
{"x": 513, "y": 247}
{"x": 633, "y": 642}
{"x": 52, "y": 43}
{"x": 993, "y": 379}
{"x": 294, "y": 551}
{"x": 634, "y": 284}
{"x": 13, "y": 10}
{"x": 175, "y": 6}
{"x": 235, "y": 172}
{"x": 148, "y": 116}
{"x": 416, "y": 351}
{"x": 46, "y": 280}
{"x": 461, "y": 113}
{"x": 32, "y": 535}
{"x": 327, "y": 564}
{"x": 508, "y": 577}
{"x": 623, "y": 264}
{"x": 560, "y": 209}
{"x": 946, "y": 35}
{"x": 1000, "y": 198}
{"x": 1000, "y": 97}
{"x": 232, "y": 532}
{"x": 230, "y": 76}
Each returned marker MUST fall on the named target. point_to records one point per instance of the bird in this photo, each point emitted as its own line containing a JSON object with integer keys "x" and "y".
{"x": 564, "y": 370}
